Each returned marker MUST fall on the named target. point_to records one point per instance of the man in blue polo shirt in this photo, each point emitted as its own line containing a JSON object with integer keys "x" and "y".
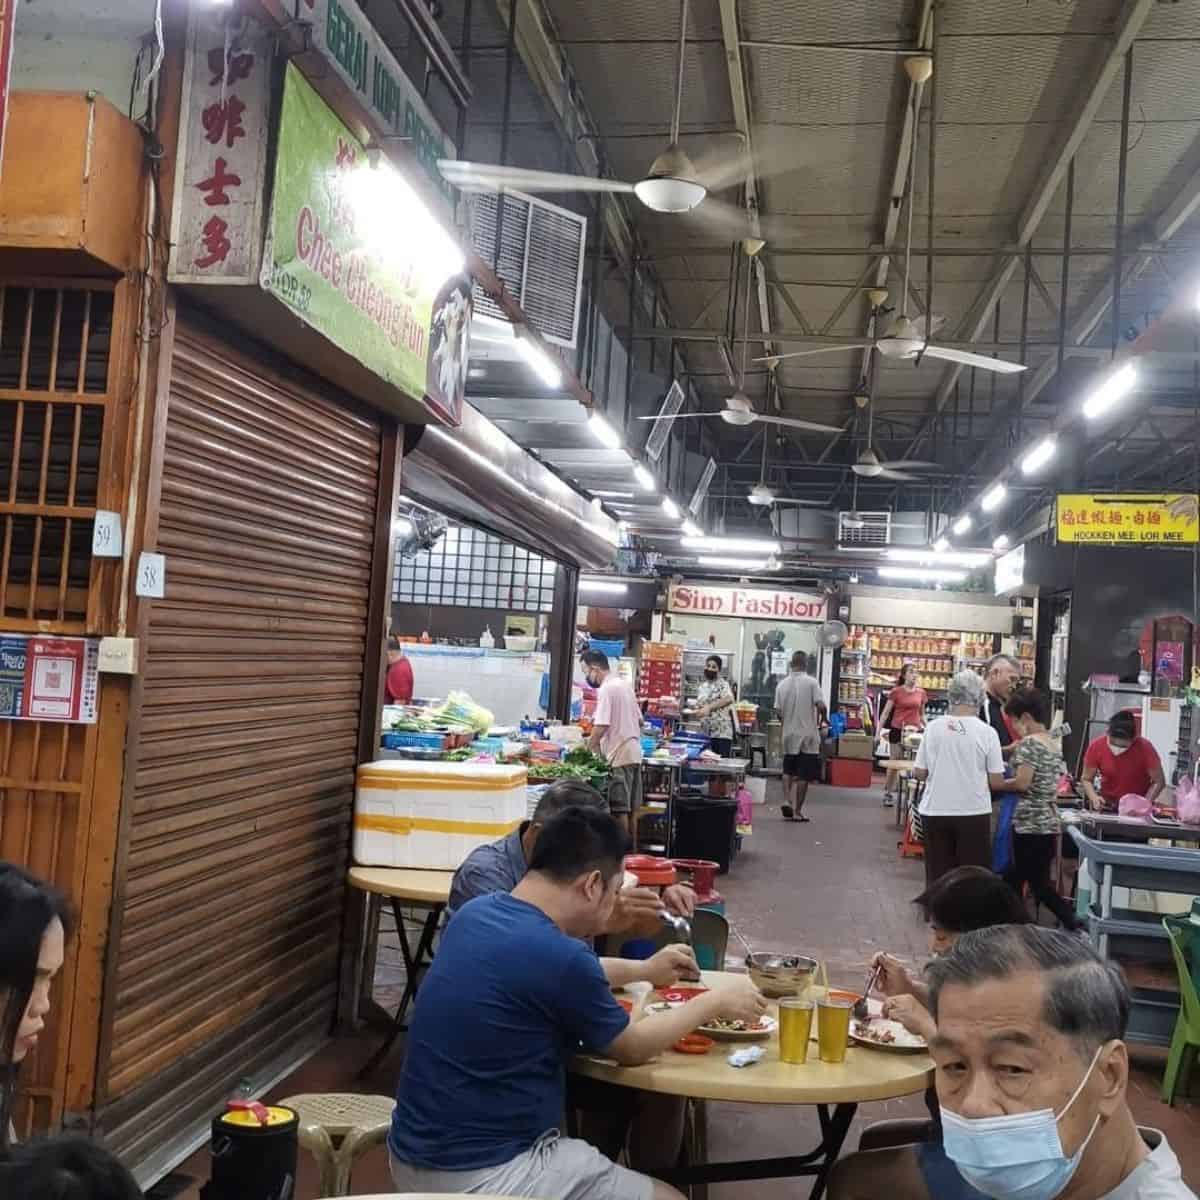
{"x": 511, "y": 995}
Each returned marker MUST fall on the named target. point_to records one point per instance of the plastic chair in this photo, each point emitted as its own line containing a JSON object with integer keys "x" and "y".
{"x": 338, "y": 1129}
{"x": 710, "y": 939}
{"x": 1186, "y": 1040}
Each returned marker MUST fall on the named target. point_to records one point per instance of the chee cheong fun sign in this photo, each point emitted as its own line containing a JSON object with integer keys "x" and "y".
{"x": 745, "y": 602}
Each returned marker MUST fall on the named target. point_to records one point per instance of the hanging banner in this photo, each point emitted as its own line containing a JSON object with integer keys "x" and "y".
{"x": 49, "y": 679}
{"x": 344, "y": 36}
{"x": 353, "y": 251}
{"x": 1170, "y": 518}
{"x": 216, "y": 224}
{"x": 745, "y": 602}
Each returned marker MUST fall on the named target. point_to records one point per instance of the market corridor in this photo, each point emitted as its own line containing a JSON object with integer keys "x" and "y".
{"x": 834, "y": 888}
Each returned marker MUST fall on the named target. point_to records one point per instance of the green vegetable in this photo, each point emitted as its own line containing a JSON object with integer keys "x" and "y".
{"x": 581, "y": 756}
{"x": 558, "y": 770}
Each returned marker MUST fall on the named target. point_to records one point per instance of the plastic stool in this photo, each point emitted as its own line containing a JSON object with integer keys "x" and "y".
{"x": 337, "y": 1129}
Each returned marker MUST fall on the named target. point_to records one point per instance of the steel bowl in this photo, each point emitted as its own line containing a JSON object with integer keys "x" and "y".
{"x": 777, "y": 975}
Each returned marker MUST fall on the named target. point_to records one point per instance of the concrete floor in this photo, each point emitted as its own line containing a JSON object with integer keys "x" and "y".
{"x": 834, "y": 888}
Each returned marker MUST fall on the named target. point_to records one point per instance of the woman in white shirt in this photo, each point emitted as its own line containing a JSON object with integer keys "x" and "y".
{"x": 960, "y": 761}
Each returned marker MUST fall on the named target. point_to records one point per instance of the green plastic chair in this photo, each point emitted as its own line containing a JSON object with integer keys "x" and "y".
{"x": 1185, "y": 940}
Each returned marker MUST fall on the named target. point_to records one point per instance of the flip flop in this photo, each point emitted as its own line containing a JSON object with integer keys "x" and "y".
{"x": 805, "y": 819}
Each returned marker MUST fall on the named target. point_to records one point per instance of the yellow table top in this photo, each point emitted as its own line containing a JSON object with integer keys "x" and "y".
{"x": 405, "y": 883}
{"x": 865, "y": 1075}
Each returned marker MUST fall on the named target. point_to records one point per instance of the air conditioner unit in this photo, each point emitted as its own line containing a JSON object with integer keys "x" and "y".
{"x": 540, "y": 260}
{"x": 864, "y": 528}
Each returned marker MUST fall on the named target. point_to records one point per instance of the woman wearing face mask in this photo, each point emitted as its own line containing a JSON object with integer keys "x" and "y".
{"x": 905, "y": 707}
{"x": 1036, "y": 829}
{"x": 33, "y": 930}
{"x": 1124, "y": 763}
{"x": 714, "y": 707}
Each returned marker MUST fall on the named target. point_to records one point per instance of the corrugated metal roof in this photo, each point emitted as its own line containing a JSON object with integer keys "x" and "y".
{"x": 1010, "y": 80}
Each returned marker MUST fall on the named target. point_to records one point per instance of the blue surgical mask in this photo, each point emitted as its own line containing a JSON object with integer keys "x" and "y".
{"x": 1017, "y": 1157}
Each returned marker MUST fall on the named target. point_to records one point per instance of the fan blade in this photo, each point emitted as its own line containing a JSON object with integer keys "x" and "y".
{"x": 887, "y": 473}
{"x": 678, "y": 416}
{"x": 973, "y": 360}
{"x": 486, "y": 177}
{"x": 775, "y": 152}
{"x": 926, "y": 328}
{"x": 913, "y": 464}
{"x": 815, "y": 350}
{"x": 794, "y": 423}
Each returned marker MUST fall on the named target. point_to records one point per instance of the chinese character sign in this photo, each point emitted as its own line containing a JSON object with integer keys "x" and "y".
{"x": 216, "y": 228}
{"x": 353, "y": 251}
{"x": 1117, "y": 519}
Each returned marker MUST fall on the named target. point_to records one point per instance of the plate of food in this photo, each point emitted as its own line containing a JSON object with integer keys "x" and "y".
{"x": 722, "y": 1029}
{"x": 882, "y": 1034}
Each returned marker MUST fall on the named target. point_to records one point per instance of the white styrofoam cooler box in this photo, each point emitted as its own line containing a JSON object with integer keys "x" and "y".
{"x": 423, "y": 814}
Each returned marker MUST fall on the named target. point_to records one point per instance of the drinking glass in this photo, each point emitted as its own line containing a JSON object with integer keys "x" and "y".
{"x": 795, "y": 1027}
{"x": 833, "y": 1029}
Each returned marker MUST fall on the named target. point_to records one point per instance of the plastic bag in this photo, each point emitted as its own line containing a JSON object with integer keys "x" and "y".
{"x": 1133, "y": 805}
{"x": 1187, "y": 802}
{"x": 745, "y": 806}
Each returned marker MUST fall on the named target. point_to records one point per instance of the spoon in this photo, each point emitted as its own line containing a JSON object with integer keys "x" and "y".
{"x": 737, "y": 933}
{"x": 681, "y": 925}
{"x": 861, "y": 1010}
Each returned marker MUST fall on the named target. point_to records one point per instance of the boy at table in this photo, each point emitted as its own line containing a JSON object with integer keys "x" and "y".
{"x": 511, "y": 995}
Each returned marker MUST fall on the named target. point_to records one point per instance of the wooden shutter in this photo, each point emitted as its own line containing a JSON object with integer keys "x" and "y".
{"x": 243, "y": 770}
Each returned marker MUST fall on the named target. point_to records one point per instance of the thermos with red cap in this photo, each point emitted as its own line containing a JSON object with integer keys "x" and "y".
{"x": 254, "y": 1150}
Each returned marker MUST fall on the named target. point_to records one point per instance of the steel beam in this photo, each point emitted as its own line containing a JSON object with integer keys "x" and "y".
{"x": 741, "y": 119}
{"x": 1165, "y": 226}
{"x": 1133, "y": 17}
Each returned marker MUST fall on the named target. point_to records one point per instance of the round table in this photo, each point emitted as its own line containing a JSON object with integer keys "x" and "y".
{"x": 865, "y": 1075}
{"x": 406, "y": 887}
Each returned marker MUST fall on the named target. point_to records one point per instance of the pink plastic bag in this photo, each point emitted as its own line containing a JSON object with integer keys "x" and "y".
{"x": 745, "y": 806}
{"x": 1133, "y": 805}
{"x": 1187, "y": 802}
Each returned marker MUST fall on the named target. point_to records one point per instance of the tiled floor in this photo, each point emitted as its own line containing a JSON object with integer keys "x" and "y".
{"x": 834, "y": 887}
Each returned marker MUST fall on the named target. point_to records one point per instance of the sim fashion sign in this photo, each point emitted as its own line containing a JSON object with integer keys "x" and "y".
{"x": 746, "y": 602}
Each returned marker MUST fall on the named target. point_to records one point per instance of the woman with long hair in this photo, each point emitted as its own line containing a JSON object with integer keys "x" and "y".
{"x": 905, "y": 708}
{"x": 34, "y": 920}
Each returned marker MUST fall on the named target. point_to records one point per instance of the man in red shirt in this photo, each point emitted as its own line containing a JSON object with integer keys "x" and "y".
{"x": 1125, "y": 763}
{"x": 399, "y": 684}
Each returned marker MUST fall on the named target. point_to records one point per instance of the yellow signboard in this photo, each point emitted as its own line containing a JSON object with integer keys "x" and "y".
{"x": 1121, "y": 519}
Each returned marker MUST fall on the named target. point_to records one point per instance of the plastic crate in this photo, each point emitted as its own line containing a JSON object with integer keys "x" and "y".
{"x": 414, "y": 741}
{"x": 611, "y": 649}
{"x": 850, "y": 772}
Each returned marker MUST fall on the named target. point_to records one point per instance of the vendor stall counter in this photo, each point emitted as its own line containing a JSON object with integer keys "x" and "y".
{"x": 1133, "y": 937}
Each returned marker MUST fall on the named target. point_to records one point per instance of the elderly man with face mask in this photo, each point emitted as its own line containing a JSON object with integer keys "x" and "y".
{"x": 1000, "y": 678}
{"x": 1032, "y": 1072}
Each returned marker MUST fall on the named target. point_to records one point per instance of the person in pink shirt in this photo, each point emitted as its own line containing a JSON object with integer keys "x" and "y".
{"x": 905, "y": 707}
{"x": 616, "y": 736}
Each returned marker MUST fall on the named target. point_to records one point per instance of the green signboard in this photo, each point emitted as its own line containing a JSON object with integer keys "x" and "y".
{"x": 355, "y": 254}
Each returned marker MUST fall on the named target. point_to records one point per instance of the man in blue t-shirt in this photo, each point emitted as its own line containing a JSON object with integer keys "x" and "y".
{"x": 511, "y": 995}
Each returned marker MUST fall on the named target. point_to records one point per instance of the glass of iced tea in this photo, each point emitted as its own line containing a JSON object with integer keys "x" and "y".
{"x": 795, "y": 1027}
{"x": 833, "y": 1028}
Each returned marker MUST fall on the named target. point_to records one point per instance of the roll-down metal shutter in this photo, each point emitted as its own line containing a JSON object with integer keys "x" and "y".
{"x": 243, "y": 773}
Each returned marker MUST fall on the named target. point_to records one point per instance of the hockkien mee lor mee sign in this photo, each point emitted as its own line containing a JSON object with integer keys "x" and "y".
{"x": 745, "y": 602}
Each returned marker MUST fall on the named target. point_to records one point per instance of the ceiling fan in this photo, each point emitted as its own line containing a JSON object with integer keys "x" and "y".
{"x": 673, "y": 184}
{"x": 739, "y": 409}
{"x": 906, "y": 339}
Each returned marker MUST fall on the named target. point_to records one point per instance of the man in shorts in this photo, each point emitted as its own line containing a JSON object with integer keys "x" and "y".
{"x": 802, "y": 709}
{"x": 512, "y": 994}
{"x": 617, "y": 736}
